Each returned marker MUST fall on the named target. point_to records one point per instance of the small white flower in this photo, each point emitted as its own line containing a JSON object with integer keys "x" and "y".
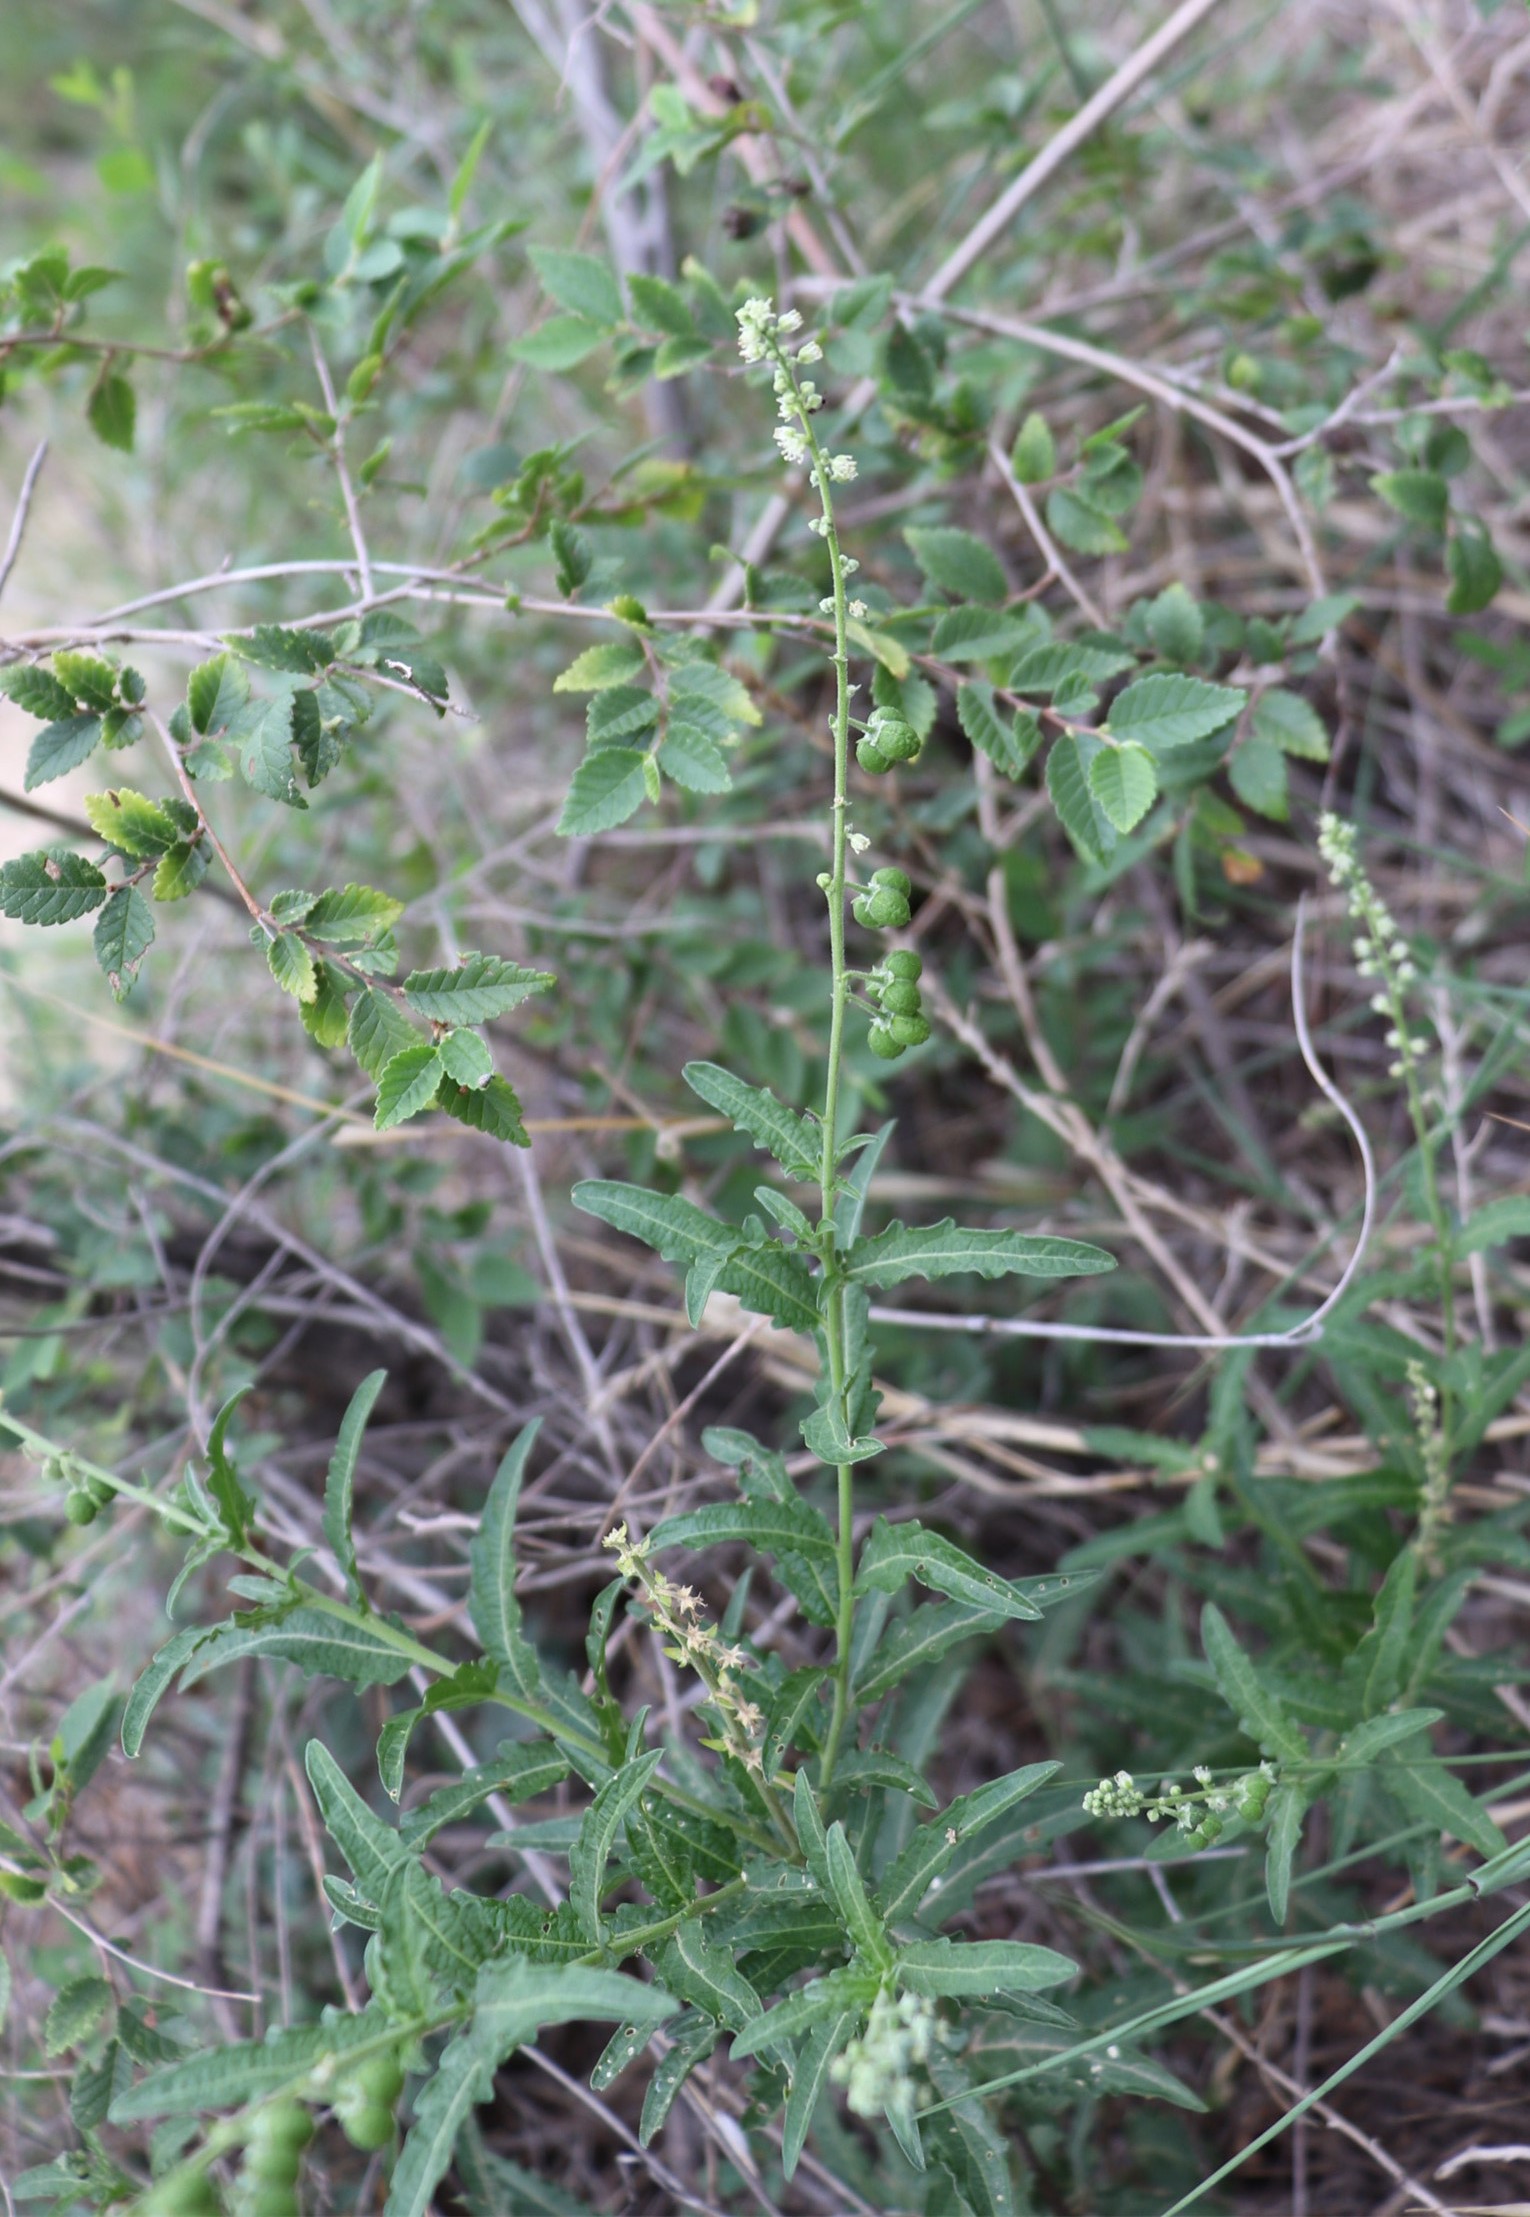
{"x": 842, "y": 468}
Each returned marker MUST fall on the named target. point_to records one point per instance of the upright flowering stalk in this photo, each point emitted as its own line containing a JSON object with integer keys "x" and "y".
{"x": 765, "y": 336}
{"x": 1382, "y": 959}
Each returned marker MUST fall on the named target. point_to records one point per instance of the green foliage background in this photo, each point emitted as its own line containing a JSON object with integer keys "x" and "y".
{"x": 1214, "y": 448}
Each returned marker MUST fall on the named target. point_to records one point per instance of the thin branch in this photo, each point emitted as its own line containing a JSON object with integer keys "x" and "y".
{"x": 23, "y": 506}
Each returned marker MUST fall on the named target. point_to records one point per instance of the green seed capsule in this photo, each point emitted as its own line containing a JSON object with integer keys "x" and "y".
{"x": 871, "y": 758}
{"x": 902, "y": 963}
{"x": 881, "y": 909}
{"x": 80, "y": 1507}
{"x": 909, "y": 1031}
{"x": 367, "y": 2125}
{"x": 100, "y": 1492}
{"x": 280, "y": 2131}
{"x": 380, "y": 2079}
{"x": 894, "y": 881}
{"x": 273, "y": 2199}
{"x": 189, "y": 2195}
{"x": 898, "y": 741}
{"x": 881, "y": 1041}
{"x": 900, "y": 997}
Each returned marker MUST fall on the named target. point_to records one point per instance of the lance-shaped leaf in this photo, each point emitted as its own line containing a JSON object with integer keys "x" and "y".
{"x": 793, "y": 1140}
{"x": 921, "y": 1639}
{"x": 480, "y": 987}
{"x": 897, "y": 1552}
{"x": 1257, "y": 1708}
{"x": 322, "y": 1645}
{"x": 810, "y": 2077}
{"x": 469, "y": 1684}
{"x": 951, "y": 1249}
{"x": 769, "y": 1280}
{"x": 340, "y": 1479}
{"x": 705, "y": 1975}
{"x": 492, "y": 1604}
{"x": 225, "y": 2077}
{"x": 905, "y": 1885}
{"x": 597, "y": 1835}
{"x": 373, "y": 1850}
{"x": 691, "y": 2042}
{"x": 1430, "y": 1792}
{"x": 975, "y": 1969}
{"x": 774, "y": 1527}
{"x": 152, "y": 1683}
{"x": 849, "y": 1990}
{"x": 848, "y": 1890}
{"x": 520, "y": 1771}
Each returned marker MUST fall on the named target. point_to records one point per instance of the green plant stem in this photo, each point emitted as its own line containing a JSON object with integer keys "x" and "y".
{"x": 840, "y": 986}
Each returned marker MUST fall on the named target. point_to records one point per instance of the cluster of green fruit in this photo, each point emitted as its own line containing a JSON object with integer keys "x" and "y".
{"x": 887, "y": 740}
{"x": 883, "y": 904}
{"x": 86, "y": 1497}
{"x": 363, "y": 2102}
{"x": 894, "y": 990}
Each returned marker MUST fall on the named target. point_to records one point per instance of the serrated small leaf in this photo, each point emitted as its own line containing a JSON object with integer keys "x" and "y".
{"x": 134, "y": 825}
{"x": 1047, "y": 668}
{"x": 181, "y": 870}
{"x": 611, "y": 662}
{"x": 479, "y": 988}
{"x": 1081, "y": 525}
{"x": 1475, "y": 569}
{"x": 407, "y": 1084}
{"x": 1420, "y": 496}
{"x": 277, "y": 647}
{"x": 291, "y": 965}
{"x": 971, "y": 634}
{"x": 51, "y": 886}
{"x": 581, "y": 283}
{"x": 609, "y": 786}
{"x": 112, "y": 411}
{"x": 465, "y": 1059}
{"x": 959, "y": 564}
{"x": 1175, "y": 624}
{"x": 91, "y": 680}
{"x": 352, "y": 915}
{"x": 561, "y": 343}
{"x": 123, "y": 935}
{"x": 61, "y": 747}
{"x": 1033, "y": 457}
{"x": 948, "y": 1249}
{"x": 1125, "y": 783}
{"x": 1068, "y": 785}
{"x": 216, "y": 692}
{"x": 1287, "y": 721}
{"x": 378, "y": 1030}
{"x": 493, "y": 1109}
{"x": 36, "y": 692}
{"x": 75, "y": 2012}
{"x": 1005, "y": 743}
{"x": 1162, "y": 711}
{"x": 261, "y": 736}
{"x": 1257, "y": 773}
{"x": 693, "y": 759}
{"x": 895, "y": 1553}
